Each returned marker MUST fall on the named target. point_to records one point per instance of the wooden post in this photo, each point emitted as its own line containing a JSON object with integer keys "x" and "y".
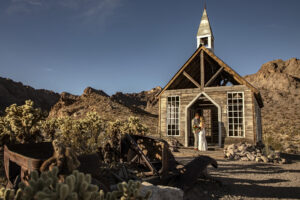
{"x": 214, "y": 77}
{"x": 159, "y": 125}
{"x": 202, "y": 69}
{"x": 191, "y": 79}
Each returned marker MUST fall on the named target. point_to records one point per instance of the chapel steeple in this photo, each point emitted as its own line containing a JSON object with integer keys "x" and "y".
{"x": 205, "y": 34}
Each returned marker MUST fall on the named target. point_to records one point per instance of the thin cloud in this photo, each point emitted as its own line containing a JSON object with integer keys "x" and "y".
{"x": 23, "y": 6}
{"x": 92, "y": 10}
{"x": 48, "y": 69}
{"x": 86, "y": 10}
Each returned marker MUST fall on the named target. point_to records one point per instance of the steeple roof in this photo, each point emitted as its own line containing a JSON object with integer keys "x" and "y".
{"x": 204, "y": 27}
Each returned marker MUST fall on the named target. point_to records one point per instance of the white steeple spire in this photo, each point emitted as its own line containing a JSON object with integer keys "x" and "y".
{"x": 205, "y": 34}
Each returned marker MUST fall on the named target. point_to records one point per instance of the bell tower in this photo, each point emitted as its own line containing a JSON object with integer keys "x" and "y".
{"x": 205, "y": 35}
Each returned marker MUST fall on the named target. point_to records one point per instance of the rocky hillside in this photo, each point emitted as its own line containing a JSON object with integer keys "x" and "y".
{"x": 145, "y": 100}
{"x": 279, "y": 84}
{"x": 278, "y": 81}
{"x": 119, "y": 106}
{"x": 15, "y": 92}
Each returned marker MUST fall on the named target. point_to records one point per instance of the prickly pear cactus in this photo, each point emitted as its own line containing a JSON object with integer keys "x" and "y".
{"x": 76, "y": 186}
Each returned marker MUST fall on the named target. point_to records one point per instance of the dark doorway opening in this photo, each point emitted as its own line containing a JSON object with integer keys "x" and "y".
{"x": 209, "y": 111}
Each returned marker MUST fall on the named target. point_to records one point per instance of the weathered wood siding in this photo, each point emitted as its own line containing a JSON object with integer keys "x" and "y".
{"x": 257, "y": 120}
{"x": 219, "y": 95}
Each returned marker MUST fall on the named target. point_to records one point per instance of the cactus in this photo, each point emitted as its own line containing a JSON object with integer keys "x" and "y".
{"x": 73, "y": 131}
{"x": 21, "y": 124}
{"x": 76, "y": 186}
{"x": 91, "y": 129}
{"x": 130, "y": 190}
{"x": 133, "y": 125}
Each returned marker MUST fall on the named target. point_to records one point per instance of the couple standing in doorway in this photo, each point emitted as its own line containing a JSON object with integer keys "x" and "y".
{"x": 198, "y": 126}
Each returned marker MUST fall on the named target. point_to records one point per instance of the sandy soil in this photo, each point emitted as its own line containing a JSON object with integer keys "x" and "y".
{"x": 239, "y": 179}
{"x": 245, "y": 179}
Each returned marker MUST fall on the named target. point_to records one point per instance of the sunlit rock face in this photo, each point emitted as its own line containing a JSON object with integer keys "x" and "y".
{"x": 279, "y": 84}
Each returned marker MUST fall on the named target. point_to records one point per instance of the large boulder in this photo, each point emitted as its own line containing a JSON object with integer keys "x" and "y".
{"x": 161, "y": 192}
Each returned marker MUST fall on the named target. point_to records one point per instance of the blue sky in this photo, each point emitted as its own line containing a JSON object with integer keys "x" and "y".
{"x": 135, "y": 45}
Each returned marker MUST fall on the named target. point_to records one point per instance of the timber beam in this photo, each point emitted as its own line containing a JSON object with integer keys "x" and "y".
{"x": 202, "y": 69}
{"x": 214, "y": 77}
{"x": 191, "y": 79}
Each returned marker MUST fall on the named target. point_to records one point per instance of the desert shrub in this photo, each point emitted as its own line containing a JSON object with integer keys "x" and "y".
{"x": 83, "y": 135}
{"x": 21, "y": 124}
{"x": 280, "y": 135}
{"x": 49, "y": 128}
{"x": 134, "y": 126}
{"x": 76, "y": 186}
{"x": 115, "y": 129}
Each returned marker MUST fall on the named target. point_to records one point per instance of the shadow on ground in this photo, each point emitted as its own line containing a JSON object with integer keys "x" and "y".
{"x": 248, "y": 180}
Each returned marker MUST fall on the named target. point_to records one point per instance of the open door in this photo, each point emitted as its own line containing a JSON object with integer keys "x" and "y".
{"x": 210, "y": 111}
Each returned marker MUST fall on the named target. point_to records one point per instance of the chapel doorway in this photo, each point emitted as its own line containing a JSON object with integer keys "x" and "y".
{"x": 209, "y": 111}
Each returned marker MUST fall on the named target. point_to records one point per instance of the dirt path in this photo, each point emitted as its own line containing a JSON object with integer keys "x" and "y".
{"x": 246, "y": 180}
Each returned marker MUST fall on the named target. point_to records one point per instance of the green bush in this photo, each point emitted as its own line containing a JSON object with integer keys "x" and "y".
{"x": 76, "y": 186}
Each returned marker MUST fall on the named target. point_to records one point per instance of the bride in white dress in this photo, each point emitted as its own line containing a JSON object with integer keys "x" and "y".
{"x": 202, "y": 144}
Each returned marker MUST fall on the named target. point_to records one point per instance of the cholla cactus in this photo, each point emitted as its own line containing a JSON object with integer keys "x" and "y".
{"x": 72, "y": 132}
{"x": 76, "y": 186}
{"x": 49, "y": 127}
{"x": 22, "y": 124}
{"x": 130, "y": 190}
{"x": 133, "y": 125}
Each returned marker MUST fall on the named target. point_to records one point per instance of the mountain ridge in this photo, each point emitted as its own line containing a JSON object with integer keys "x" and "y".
{"x": 278, "y": 82}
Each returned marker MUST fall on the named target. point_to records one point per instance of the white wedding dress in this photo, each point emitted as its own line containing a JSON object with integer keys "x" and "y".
{"x": 202, "y": 144}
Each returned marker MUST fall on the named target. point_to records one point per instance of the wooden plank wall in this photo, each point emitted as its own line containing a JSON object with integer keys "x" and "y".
{"x": 257, "y": 120}
{"x": 219, "y": 95}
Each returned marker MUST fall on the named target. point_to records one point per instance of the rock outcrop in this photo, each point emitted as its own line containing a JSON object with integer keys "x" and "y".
{"x": 279, "y": 84}
{"x": 109, "y": 108}
{"x": 161, "y": 192}
{"x": 145, "y": 100}
{"x": 15, "y": 92}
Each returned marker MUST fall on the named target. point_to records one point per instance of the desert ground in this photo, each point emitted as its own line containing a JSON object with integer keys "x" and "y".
{"x": 239, "y": 179}
{"x": 245, "y": 179}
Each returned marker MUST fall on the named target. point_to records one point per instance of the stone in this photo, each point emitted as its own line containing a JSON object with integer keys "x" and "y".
{"x": 245, "y": 159}
{"x": 228, "y": 155}
{"x": 289, "y": 150}
{"x": 236, "y": 157}
{"x": 258, "y": 150}
{"x": 258, "y": 159}
{"x": 258, "y": 154}
{"x": 230, "y": 151}
{"x": 161, "y": 192}
{"x": 242, "y": 147}
{"x": 243, "y": 153}
{"x": 250, "y": 156}
{"x": 264, "y": 159}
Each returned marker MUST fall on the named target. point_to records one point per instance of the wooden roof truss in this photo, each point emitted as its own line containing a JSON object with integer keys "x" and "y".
{"x": 205, "y": 69}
